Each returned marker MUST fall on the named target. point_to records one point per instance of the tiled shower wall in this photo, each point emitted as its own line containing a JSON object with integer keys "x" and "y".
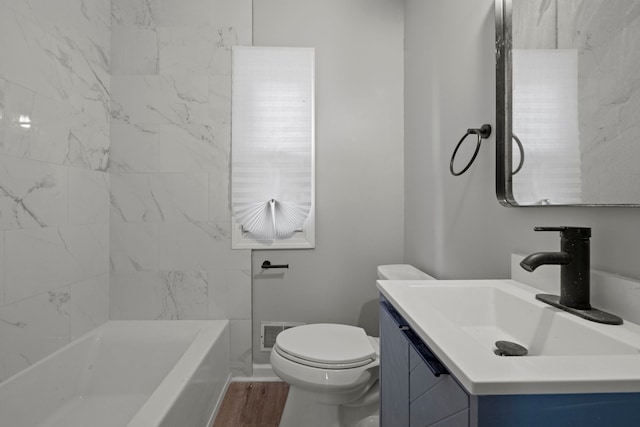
{"x": 54, "y": 188}
{"x": 170, "y": 253}
{"x": 164, "y": 146}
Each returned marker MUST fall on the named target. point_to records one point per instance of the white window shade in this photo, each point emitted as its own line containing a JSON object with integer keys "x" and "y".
{"x": 545, "y": 119}
{"x": 272, "y": 155}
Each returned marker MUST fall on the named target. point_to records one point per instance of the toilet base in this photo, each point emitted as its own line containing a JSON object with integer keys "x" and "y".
{"x": 301, "y": 410}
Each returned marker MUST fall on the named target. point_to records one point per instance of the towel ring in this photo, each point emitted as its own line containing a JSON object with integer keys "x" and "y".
{"x": 521, "y": 148}
{"x": 482, "y": 133}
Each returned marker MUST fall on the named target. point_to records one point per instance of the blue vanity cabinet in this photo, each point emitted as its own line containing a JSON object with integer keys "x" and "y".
{"x": 417, "y": 391}
{"x": 394, "y": 373}
{"x": 434, "y": 400}
{"x": 411, "y": 393}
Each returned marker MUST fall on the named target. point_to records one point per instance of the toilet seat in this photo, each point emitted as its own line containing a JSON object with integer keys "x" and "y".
{"x": 326, "y": 346}
{"x": 336, "y": 364}
{"x": 321, "y": 365}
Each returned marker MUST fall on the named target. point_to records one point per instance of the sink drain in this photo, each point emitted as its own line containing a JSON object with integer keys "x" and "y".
{"x": 508, "y": 348}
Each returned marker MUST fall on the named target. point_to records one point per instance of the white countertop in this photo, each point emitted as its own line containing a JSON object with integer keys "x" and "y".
{"x": 472, "y": 361}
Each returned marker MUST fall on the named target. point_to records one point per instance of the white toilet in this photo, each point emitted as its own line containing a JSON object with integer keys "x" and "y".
{"x": 332, "y": 369}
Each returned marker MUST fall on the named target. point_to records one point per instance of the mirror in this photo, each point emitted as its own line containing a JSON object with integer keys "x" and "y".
{"x": 568, "y": 102}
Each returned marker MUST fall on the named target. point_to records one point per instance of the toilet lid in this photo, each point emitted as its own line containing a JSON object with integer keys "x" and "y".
{"x": 327, "y": 344}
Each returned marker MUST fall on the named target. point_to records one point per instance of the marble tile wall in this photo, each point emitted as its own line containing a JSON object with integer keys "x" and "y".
{"x": 607, "y": 37}
{"x": 170, "y": 249}
{"x": 54, "y": 184}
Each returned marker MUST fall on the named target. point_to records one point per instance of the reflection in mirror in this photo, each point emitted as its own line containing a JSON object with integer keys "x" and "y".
{"x": 569, "y": 90}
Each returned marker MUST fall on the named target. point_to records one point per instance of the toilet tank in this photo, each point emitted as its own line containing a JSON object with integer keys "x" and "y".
{"x": 401, "y": 272}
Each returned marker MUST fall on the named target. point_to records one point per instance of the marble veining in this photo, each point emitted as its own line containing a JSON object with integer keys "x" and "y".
{"x": 89, "y": 305}
{"x": 54, "y": 189}
{"x": 159, "y": 197}
{"x": 159, "y": 295}
{"x": 607, "y": 36}
{"x": 134, "y": 246}
{"x": 202, "y": 50}
{"x": 176, "y": 300}
{"x": 62, "y": 69}
{"x": 2, "y": 270}
{"x": 88, "y": 196}
{"x": 43, "y": 259}
{"x": 199, "y": 245}
{"x": 114, "y": 162}
{"x": 138, "y": 48}
{"x": 134, "y": 148}
{"x": 32, "y": 194}
{"x": 34, "y": 327}
{"x": 138, "y": 13}
{"x": 151, "y": 13}
{"x": 170, "y": 130}
{"x": 240, "y": 352}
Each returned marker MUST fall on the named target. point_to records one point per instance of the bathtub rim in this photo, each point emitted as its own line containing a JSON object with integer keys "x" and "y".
{"x": 161, "y": 401}
{"x": 207, "y": 335}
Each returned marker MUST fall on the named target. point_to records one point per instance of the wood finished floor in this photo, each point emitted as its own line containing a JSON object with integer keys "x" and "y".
{"x": 252, "y": 404}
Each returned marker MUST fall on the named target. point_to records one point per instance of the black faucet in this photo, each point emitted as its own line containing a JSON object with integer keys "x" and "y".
{"x": 574, "y": 259}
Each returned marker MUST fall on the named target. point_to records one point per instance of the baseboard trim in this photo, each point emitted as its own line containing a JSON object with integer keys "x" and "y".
{"x": 263, "y": 371}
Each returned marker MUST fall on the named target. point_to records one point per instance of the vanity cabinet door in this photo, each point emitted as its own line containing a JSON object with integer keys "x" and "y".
{"x": 434, "y": 400}
{"x": 411, "y": 394}
{"x": 394, "y": 373}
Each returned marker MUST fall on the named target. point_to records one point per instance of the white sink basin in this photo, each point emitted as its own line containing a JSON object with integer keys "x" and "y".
{"x": 462, "y": 320}
{"x": 488, "y": 313}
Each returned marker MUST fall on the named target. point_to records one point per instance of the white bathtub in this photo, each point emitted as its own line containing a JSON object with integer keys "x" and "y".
{"x": 125, "y": 373}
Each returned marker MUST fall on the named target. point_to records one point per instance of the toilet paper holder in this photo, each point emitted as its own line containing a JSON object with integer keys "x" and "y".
{"x": 267, "y": 265}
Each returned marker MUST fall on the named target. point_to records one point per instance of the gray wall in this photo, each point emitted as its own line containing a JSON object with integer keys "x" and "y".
{"x": 454, "y": 227}
{"x": 359, "y": 161}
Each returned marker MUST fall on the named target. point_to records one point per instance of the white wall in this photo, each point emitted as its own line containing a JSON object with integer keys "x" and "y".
{"x": 454, "y": 227}
{"x": 359, "y": 136}
{"x": 54, "y": 189}
{"x": 171, "y": 254}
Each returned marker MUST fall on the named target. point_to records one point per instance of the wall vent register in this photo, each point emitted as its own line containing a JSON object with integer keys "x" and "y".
{"x": 270, "y": 330}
